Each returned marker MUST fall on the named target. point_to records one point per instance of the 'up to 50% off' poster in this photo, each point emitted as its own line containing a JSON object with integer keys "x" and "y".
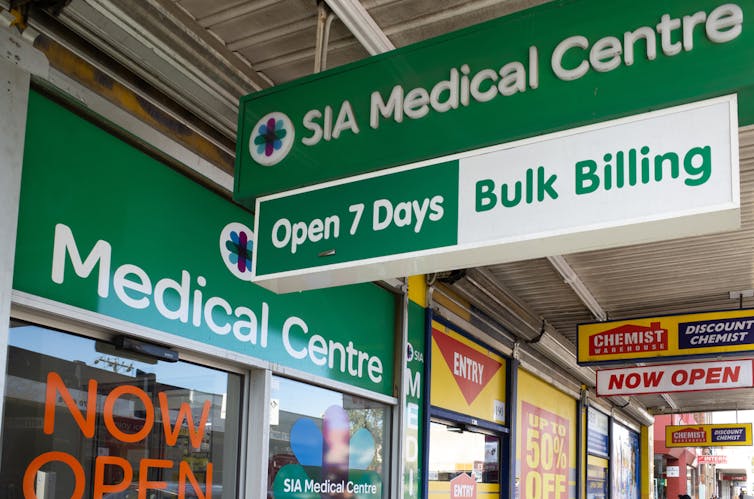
{"x": 546, "y": 465}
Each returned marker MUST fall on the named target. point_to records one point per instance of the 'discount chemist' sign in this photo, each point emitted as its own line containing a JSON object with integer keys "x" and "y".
{"x": 708, "y": 333}
{"x": 557, "y": 66}
{"x": 708, "y": 435}
{"x": 668, "y": 173}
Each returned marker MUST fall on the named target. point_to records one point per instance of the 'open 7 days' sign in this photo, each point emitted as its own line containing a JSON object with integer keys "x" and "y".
{"x": 664, "y": 174}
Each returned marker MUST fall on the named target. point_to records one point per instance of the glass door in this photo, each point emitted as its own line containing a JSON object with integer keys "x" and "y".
{"x": 463, "y": 462}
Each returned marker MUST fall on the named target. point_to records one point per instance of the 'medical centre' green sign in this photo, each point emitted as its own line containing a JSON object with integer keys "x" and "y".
{"x": 557, "y": 66}
{"x": 110, "y": 234}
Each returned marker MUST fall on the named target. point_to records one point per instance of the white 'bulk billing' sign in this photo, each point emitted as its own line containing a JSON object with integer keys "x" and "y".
{"x": 631, "y": 171}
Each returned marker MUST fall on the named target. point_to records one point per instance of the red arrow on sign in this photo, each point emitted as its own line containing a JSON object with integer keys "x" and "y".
{"x": 471, "y": 368}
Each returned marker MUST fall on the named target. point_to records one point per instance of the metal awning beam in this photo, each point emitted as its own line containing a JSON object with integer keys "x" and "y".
{"x": 362, "y": 25}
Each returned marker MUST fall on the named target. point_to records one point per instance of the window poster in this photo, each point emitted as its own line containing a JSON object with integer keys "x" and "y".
{"x": 597, "y": 441}
{"x": 624, "y": 459}
{"x": 546, "y": 442}
{"x": 326, "y": 444}
{"x": 596, "y": 477}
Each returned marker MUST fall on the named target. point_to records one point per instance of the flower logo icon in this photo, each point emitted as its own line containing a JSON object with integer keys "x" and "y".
{"x": 240, "y": 250}
{"x": 271, "y": 139}
{"x": 236, "y": 245}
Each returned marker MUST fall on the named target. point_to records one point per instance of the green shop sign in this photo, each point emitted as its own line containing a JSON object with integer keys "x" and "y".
{"x": 108, "y": 229}
{"x": 557, "y": 66}
{"x": 658, "y": 175}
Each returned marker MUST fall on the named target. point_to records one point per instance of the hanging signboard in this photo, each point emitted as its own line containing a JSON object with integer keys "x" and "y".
{"x": 708, "y": 435}
{"x": 667, "y": 378}
{"x": 664, "y": 174}
{"x": 733, "y": 478}
{"x": 553, "y": 67}
{"x": 715, "y": 459}
{"x": 708, "y": 333}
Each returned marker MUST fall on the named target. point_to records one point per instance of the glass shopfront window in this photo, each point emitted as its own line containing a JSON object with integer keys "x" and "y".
{"x": 83, "y": 419}
{"x": 326, "y": 444}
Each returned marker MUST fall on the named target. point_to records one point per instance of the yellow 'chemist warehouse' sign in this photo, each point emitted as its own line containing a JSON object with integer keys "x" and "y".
{"x": 708, "y": 435}
{"x": 709, "y": 333}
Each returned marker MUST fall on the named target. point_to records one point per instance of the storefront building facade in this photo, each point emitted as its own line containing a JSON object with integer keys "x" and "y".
{"x": 140, "y": 357}
{"x": 137, "y": 355}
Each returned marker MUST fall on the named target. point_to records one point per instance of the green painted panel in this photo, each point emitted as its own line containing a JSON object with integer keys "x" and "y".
{"x": 407, "y": 211}
{"x": 109, "y": 229}
{"x": 494, "y": 83}
{"x": 415, "y": 395}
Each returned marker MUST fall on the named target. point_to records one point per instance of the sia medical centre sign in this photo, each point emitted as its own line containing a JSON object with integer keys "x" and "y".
{"x": 557, "y": 66}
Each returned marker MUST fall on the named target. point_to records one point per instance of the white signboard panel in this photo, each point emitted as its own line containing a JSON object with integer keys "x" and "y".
{"x": 667, "y": 378}
{"x": 616, "y": 174}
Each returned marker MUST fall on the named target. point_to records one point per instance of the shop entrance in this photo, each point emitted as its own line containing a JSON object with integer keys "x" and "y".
{"x": 464, "y": 461}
